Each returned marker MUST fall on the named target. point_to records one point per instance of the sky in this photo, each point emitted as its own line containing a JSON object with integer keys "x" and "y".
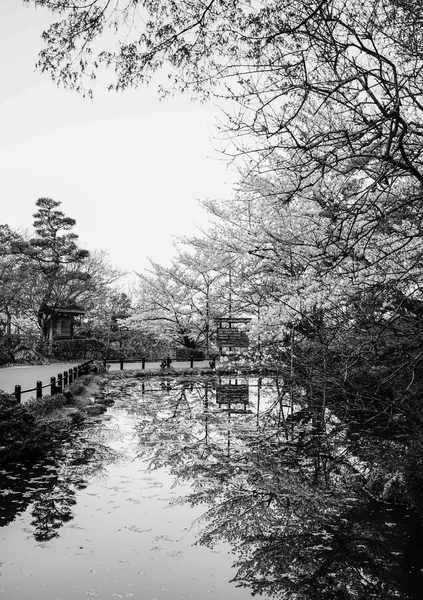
{"x": 129, "y": 168}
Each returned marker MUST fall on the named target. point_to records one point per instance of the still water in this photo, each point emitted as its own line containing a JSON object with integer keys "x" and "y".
{"x": 186, "y": 485}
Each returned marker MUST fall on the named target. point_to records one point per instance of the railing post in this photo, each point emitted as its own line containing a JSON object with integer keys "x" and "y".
{"x": 60, "y": 383}
{"x": 143, "y": 362}
{"x": 75, "y": 373}
{"x": 70, "y": 376}
{"x": 121, "y": 364}
{"x": 39, "y": 390}
{"x": 191, "y": 361}
{"x": 52, "y": 386}
{"x": 65, "y": 379}
{"x": 79, "y": 370}
{"x": 18, "y": 394}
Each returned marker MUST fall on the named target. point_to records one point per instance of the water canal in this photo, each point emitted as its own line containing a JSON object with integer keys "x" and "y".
{"x": 202, "y": 489}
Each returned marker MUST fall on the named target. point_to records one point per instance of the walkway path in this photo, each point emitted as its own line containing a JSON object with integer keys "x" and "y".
{"x": 27, "y": 376}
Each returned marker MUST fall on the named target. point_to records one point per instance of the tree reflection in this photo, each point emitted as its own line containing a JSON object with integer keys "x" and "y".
{"x": 18, "y": 486}
{"x": 51, "y": 487}
{"x": 296, "y": 540}
{"x": 284, "y": 490}
{"x": 52, "y": 509}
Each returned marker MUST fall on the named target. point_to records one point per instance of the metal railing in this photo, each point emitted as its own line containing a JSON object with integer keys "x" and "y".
{"x": 56, "y": 385}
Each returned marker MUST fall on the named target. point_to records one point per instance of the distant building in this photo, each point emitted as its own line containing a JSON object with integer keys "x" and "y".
{"x": 62, "y": 322}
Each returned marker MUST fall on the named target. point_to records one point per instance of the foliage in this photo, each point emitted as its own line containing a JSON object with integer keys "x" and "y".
{"x": 23, "y": 435}
{"x": 103, "y": 301}
{"x": 55, "y": 261}
{"x": 332, "y": 87}
{"x": 13, "y": 277}
{"x": 187, "y": 353}
{"x": 29, "y": 431}
{"x": 47, "y": 404}
{"x": 78, "y": 349}
{"x": 15, "y": 422}
{"x": 8, "y": 345}
{"x": 42, "y": 274}
{"x": 177, "y": 304}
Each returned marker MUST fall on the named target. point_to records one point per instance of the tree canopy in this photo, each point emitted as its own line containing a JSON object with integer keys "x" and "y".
{"x": 43, "y": 272}
{"x": 334, "y": 84}
{"x": 325, "y": 95}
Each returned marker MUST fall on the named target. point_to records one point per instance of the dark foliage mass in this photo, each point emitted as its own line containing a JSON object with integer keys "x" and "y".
{"x": 22, "y": 435}
{"x": 83, "y": 348}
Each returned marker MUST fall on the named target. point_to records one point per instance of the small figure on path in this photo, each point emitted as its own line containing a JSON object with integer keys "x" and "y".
{"x": 165, "y": 364}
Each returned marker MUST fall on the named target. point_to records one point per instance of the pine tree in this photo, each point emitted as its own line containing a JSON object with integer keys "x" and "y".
{"x": 56, "y": 261}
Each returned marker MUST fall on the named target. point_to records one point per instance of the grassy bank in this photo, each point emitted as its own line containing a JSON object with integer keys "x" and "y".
{"x": 28, "y": 431}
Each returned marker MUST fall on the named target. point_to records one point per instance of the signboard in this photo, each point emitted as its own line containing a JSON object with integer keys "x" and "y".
{"x": 232, "y": 338}
{"x": 232, "y": 393}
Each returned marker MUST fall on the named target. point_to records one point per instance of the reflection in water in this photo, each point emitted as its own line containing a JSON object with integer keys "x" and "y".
{"x": 127, "y": 537}
{"x": 51, "y": 510}
{"x": 281, "y": 482}
{"x": 285, "y": 492}
{"x": 50, "y": 487}
{"x": 298, "y": 541}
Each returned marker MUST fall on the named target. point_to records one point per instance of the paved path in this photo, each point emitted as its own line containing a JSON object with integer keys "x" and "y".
{"x": 27, "y": 376}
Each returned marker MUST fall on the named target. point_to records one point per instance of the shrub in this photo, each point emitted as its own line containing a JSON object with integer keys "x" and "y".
{"x": 21, "y": 436}
{"x": 8, "y": 345}
{"x": 16, "y": 422}
{"x": 77, "y": 387}
{"x": 45, "y": 405}
{"x": 113, "y": 353}
{"x": 186, "y": 353}
{"x": 78, "y": 348}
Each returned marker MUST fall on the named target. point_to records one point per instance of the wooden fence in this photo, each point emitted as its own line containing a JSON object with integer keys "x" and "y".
{"x": 143, "y": 361}
{"x": 56, "y": 385}
{"x": 64, "y": 380}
